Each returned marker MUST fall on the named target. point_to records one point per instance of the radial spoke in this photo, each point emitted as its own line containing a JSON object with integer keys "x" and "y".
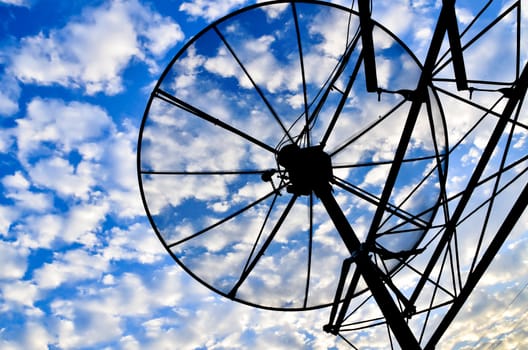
{"x": 387, "y": 162}
{"x": 261, "y": 231}
{"x": 303, "y": 74}
{"x": 366, "y": 129}
{"x": 255, "y": 85}
{"x": 310, "y": 247}
{"x": 336, "y": 73}
{"x": 342, "y": 101}
{"x": 265, "y": 246}
{"x": 165, "y": 96}
{"x": 205, "y": 172}
{"x": 227, "y": 218}
{"x": 370, "y": 198}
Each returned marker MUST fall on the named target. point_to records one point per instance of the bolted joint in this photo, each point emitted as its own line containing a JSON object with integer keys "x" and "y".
{"x": 331, "y": 329}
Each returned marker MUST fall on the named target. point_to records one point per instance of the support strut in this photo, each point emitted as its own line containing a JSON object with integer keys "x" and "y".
{"x": 369, "y": 271}
{"x": 310, "y": 170}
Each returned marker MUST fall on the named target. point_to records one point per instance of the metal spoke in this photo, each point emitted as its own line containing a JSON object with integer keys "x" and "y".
{"x": 205, "y": 172}
{"x": 366, "y": 129}
{"x": 367, "y": 42}
{"x": 227, "y": 218}
{"x": 342, "y": 102}
{"x": 372, "y": 199}
{"x": 303, "y": 75}
{"x": 333, "y": 79}
{"x": 310, "y": 248}
{"x": 255, "y": 85}
{"x": 388, "y": 162}
{"x": 261, "y": 231}
{"x": 262, "y": 250}
{"x": 165, "y": 96}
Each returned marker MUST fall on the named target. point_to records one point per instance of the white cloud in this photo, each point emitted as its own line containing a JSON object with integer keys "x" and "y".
{"x": 72, "y": 150}
{"x": 7, "y": 216}
{"x": 274, "y": 11}
{"x": 16, "y": 181}
{"x": 9, "y": 95}
{"x": 162, "y": 36}
{"x": 84, "y": 221}
{"x": 80, "y": 223}
{"x": 16, "y": 2}
{"x": 80, "y": 327}
{"x": 98, "y": 314}
{"x": 39, "y": 231}
{"x": 36, "y": 336}
{"x": 70, "y": 267}
{"x": 129, "y": 343}
{"x": 93, "y": 52}
{"x": 117, "y": 156}
{"x": 210, "y": 9}
{"x": 13, "y": 261}
{"x": 137, "y": 243}
{"x": 23, "y": 293}
{"x": 53, "y": 130}
{"x": 67, "y": 125}
{"x": 59, "y": 175}
{"x": 464, "y": 15}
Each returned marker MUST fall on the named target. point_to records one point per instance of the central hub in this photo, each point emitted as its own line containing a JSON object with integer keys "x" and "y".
{"x": 308, "y": 168}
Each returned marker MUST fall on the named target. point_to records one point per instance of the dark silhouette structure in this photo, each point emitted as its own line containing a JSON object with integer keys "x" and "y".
{"x": 260, "y": 122}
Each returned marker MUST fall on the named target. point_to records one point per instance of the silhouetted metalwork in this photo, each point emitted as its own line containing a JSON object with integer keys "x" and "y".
{"x": 259, "y": 120}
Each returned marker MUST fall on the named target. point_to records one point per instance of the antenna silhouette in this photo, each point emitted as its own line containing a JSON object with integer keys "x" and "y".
{"x": 286, "y": 172}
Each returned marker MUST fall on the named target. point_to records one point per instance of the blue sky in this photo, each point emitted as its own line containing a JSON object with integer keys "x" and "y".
{"x": 81, "y": 267}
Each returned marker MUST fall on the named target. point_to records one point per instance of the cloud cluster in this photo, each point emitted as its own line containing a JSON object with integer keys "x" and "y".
{"x": 92, "y": 52}
{"x": 210, "y": 10}
{"x": 80, "y": 265}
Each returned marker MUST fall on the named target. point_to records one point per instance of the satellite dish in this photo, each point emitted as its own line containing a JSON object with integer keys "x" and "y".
{"x": 294, "y": 155}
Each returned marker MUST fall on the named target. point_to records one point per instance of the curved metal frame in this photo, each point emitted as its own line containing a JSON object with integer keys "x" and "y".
{"x": 441, "y": 235}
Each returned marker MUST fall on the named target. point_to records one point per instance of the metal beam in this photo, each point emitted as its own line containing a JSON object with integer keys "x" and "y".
{"x": 369, "y": 271}
{"x": 420, "y": 96}
{"x": 455, "y": 45}
{"x": 518, "y": 94}
{"x": 507, "y": 226}
{"x": 369, "y": 61}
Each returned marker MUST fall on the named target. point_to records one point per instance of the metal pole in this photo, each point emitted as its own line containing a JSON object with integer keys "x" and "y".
{"x": 491, "y": 252}
{"x": 368, "y": 270}
{"x": 518, "y": 94}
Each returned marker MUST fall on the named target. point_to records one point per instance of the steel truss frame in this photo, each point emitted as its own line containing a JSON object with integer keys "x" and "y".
{"x": 307, "y": 179}
{"x": 446, "y": 241}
